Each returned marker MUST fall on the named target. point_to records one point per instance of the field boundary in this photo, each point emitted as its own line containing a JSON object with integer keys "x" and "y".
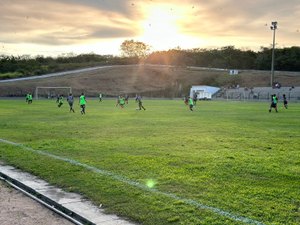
{"x": 138, "y": 185}
{"x": 45, "y": 201}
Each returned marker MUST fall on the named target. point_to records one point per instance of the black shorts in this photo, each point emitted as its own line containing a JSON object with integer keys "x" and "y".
{"x": 273, "y": 105}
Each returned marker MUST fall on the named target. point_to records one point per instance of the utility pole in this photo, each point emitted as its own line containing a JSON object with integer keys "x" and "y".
{"x": 273, "y": 27}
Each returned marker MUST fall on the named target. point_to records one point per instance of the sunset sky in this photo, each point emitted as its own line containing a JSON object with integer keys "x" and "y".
{"x": 55, "y": 27}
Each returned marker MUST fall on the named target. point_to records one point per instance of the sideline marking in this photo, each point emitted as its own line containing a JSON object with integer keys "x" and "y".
{"x": 139, "y": 185}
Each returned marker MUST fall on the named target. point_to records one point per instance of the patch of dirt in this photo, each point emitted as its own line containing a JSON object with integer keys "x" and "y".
{"x": 18, "y": 209}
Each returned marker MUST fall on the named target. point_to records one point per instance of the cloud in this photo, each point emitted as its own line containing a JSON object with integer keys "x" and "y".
{"x": 249, "y": 20}
{"x": 60, "y": 22}
{"x": 117, "y": 6}
{"x": 75, "y": 22}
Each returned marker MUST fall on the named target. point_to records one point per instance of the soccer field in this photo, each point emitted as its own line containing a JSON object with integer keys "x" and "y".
{"x": 224, "y": 163}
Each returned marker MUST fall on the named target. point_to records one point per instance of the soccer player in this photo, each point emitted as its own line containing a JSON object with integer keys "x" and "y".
{"x": 100, "y": 97}
{"x": 60, "y": 101}
{"x": 274, "y": 101}
{"x": 121, "y": 101}
{"x": 29, "y": 98}
{"x": 195, "y": 99}
{"x": 82, "y": 102}
{"x": 70, "y": 100}
{"x": 285, "y": 102}
{"x": 191, "y": 103}
{"x": 126, "y": 99}
{"x": 139, "y": 100}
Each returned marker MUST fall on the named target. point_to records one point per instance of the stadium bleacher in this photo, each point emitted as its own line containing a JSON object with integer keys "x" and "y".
{"x": 258, "y": 93}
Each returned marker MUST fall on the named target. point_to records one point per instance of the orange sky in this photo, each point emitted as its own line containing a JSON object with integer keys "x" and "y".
{"x": 55, "y": 27}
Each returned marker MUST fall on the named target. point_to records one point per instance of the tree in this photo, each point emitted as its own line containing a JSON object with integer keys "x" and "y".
{"x": 131, "y": 48}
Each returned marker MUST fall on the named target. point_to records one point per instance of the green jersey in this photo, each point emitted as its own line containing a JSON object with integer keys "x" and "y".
{"x": 191, "y": 102}
{"x": 29, "y": 97}
{"x": 82, "y": 100}
{"x": 122, "y": 101}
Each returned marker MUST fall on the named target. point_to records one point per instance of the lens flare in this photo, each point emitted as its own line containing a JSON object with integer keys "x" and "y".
{"x": 150, "y": 183}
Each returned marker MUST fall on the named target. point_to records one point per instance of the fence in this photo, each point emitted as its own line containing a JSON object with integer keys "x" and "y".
{"x": 259, "y": 93}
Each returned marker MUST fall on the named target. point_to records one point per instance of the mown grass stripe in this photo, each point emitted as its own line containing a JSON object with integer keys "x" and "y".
{"x": 139, "y": 185}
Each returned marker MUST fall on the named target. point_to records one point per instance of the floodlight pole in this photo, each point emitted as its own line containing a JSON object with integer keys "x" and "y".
{"x": 273, "y": 27}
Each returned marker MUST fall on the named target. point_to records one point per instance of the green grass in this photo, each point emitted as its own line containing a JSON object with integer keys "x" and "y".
{"x": 234, "y": 156}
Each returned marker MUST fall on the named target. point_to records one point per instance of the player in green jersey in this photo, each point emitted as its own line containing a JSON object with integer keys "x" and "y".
{"x": 82, "y": 103}
{"x": 274, "y": 101}
{"x": 122, "y": 101}
{"x": 191, "y": 103}
{"x": 29, "y": 99}
{"x": 60, "y": 101}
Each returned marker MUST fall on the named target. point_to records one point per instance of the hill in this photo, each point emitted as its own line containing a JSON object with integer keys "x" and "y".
{"x": 149, "y": 80}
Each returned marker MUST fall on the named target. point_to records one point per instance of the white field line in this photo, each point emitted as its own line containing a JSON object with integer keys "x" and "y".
{"x": 139, "y": 185}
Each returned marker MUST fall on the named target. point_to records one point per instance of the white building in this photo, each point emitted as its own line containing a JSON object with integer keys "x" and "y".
{"x": 203, "y": 92}
{"x": 233, "y": 72}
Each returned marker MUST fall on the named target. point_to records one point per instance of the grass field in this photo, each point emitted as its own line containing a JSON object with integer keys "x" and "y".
{"x": 224, "y": 163}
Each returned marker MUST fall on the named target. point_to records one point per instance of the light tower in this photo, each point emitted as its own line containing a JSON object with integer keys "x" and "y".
{"x": 273, "y": 27}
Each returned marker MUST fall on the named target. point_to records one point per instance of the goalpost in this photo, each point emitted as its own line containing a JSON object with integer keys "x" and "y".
{"x": 51, "y": 92}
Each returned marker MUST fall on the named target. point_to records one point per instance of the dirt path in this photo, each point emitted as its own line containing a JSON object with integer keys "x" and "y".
{"x": 18, "y": 209}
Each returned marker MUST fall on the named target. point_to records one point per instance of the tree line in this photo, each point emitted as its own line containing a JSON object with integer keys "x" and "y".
{"x": 286, "y": 59}
{"x": 228, "y": 57}
{"x": 133, "y": 52}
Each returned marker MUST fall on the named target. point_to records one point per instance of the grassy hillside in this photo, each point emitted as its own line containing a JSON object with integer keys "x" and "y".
{"x": 155, "y": 81}
{"x": 225, "y": 163}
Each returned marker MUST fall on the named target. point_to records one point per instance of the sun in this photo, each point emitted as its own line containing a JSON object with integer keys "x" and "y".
{"x": 160, "y": 27}
{"x": 160, "y": 22}
{"x": 163, "y": 27}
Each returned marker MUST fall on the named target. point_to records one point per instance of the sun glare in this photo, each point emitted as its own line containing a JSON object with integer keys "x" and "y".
{"x": 162, "y": 27}
{"x": 160, "y": 22}
{"x": 151, "y": 183}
